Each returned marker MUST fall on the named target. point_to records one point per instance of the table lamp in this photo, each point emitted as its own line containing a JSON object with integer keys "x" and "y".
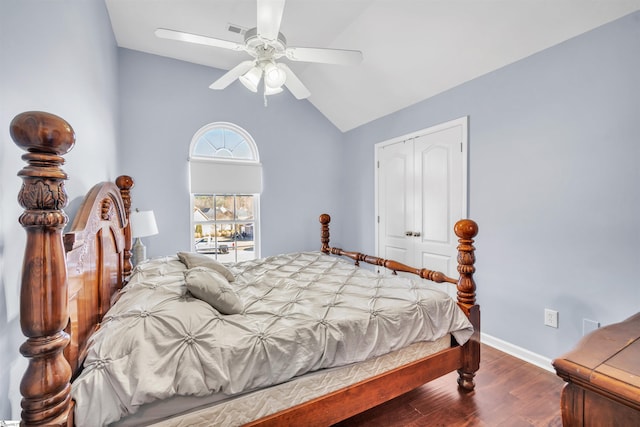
{"x": 143, "y": 224}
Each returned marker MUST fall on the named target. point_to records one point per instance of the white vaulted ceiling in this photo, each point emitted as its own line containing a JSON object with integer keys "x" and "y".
{"x": 413, "y": 49}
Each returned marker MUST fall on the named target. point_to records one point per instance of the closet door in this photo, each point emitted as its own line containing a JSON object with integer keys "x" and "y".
{"x": 421, "y": 194}
{"x": 438, "y": 200}
{"x": 395, "y": 201}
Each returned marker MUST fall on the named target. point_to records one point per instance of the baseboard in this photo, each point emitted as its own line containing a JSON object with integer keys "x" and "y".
{"x": 519, "y": 352}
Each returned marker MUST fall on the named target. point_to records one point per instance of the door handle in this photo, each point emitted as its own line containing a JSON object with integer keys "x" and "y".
{"x": 408, "y": 233}
{"x": 416, "y": 234}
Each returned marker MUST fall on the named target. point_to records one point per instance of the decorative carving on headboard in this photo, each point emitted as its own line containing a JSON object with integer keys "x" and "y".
{"x": 105, "y": 208}
{"x": 43, "y": 294}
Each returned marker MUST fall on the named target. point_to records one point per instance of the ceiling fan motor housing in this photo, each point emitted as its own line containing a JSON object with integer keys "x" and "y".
{"x": 261, "y": 48}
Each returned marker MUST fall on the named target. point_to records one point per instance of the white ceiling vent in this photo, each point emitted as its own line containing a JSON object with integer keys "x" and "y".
{"x": 236, "y": 29}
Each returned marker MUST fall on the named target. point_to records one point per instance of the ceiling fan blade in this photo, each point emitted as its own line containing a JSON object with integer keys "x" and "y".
{"x": 325, "y": 56}
{"x": 294, "y": 84}
{"x": 164, "y": 33}
{"x": 269, "y": 18}
{"x": 232, "y": 75}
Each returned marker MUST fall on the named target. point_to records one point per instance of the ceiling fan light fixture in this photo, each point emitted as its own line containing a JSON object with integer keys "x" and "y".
{"x": 251, "y": 79}
{"x": 274, "y": 76}
{"x": 272, "y": 90}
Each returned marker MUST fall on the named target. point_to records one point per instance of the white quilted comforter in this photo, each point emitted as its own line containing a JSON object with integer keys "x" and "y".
{"x": 302, "y": 312}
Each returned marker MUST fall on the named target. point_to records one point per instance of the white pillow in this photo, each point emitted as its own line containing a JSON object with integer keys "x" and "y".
{"x": 193, "y": 259}
{"x": 210, "y": 286}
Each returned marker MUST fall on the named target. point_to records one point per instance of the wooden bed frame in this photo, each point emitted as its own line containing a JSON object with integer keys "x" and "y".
{"x": 70, "y": 280}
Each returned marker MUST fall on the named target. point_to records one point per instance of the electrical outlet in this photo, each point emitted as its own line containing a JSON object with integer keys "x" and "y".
{"x": 551, "y": 318}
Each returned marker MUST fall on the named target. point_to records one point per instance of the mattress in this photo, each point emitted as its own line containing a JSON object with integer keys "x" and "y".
{"x": 297, "y": 313}
{"x": 236, "y": 411}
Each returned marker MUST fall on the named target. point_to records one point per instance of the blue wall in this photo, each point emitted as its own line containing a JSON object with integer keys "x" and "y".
{"x": 164, "y": 102}
{"x": 553, "y": 181}
{"x": 57, "y": 56}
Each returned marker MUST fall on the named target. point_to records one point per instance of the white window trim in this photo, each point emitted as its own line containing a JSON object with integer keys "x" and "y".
{"x": 232, "y": 127}
{"x": 250, "y": 163}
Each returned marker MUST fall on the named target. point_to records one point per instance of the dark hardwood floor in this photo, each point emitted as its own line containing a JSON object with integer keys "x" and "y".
{"x": 509, "y": 393}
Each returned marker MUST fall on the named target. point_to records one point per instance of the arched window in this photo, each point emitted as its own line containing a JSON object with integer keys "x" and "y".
{"x": 225, "y": 180}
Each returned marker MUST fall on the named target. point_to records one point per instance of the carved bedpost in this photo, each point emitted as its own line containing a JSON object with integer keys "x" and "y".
{"x": 45, "y": 386}
{"x": 125, "y": 184}
{"x": 466, "y": 230}
{"x": 325, "y": 219}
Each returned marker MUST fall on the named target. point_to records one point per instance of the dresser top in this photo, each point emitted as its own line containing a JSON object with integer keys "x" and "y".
{"x": 607, "y": 360}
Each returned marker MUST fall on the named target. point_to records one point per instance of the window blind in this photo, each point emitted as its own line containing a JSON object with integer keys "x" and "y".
{"x": 226, "y": 177}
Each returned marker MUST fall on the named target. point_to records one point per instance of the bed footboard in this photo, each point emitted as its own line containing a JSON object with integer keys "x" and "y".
{"x": 466, "y": 230}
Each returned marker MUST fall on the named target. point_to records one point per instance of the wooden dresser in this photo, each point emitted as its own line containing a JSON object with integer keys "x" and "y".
{"x": 603, "y": 377}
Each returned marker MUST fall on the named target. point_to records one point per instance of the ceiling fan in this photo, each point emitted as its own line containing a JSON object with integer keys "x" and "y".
{"x": 266, "y": 44}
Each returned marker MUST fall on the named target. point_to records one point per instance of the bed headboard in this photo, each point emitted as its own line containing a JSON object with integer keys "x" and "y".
{"x": 68, "y": 282}
{"x": 98, "y": 260}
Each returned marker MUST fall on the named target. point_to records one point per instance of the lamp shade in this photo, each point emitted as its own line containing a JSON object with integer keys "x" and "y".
{"x": 143, "y": 223}
{"x": 274, "y": 76}
{"x": 271, "y": 90}
{"x": 251, "y": 79}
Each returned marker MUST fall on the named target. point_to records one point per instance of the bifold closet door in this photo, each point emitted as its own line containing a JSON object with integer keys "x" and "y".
{"x": 421, "y": 195}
